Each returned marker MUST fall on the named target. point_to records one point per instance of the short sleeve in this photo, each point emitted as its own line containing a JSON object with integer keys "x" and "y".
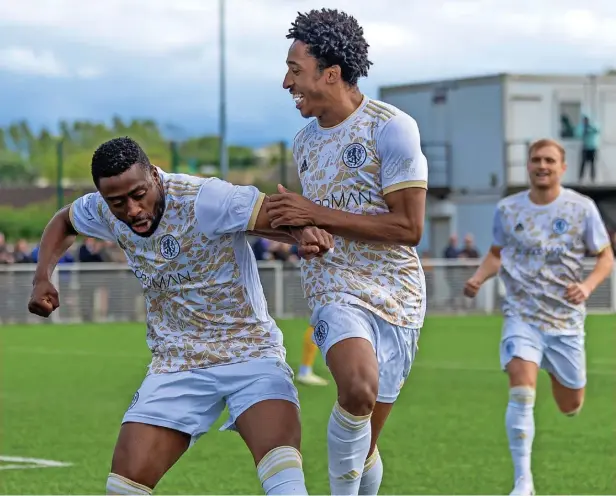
{"x": 224, "y": 208}
{"x": 403, "y": 164}
{"x": 498, "y": 231}
{"x": 596, "y": 237}
{"x": 86, "y": 214}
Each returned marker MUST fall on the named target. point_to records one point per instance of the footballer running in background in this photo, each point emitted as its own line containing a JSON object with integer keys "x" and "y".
{"x": 364, "y": 176}
{"x": 306, "y": 373}
{"x": 541, "y": 237}
{"x": 213, "y": 342}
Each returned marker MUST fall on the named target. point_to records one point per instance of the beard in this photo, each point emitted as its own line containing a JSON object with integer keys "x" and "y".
{"x": 159, "y": 210}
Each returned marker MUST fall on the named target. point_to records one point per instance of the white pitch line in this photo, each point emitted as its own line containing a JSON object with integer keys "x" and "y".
{"x": 21, "y": 463}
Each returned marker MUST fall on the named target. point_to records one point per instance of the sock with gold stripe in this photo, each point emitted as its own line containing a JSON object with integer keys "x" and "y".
{"x": 116, "y": 484}
{"x": 280, "y": 472}
{"x": 520, "y": 423}
{"x": 373, "y": 475}
{"x": 348, "y": 443}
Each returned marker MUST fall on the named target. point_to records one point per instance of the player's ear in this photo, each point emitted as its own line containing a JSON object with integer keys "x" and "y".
{"x": 334, "y": 74}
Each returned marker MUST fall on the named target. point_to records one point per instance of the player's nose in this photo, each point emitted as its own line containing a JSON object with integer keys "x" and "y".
{"x": 286, "y": 82}
{"x": 133, "y": 209}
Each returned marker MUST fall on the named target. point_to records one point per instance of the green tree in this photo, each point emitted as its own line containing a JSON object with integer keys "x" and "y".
{"x": 24, "y": 153}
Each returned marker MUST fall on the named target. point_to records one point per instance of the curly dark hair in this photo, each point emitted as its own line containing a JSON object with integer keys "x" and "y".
{"x": 116, "y": 156}
{"x": 334, "y": 38}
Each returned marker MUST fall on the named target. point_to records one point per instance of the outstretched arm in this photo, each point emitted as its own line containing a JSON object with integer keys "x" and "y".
{"x": 402, "y": 225}
{"x": 57, "y": 237}
{"x": 490, "y": 265}
{"x": 404, "y": 175}
{"x": 260, "y": 225}
{"x": 82, "y": 216}
{"x": 222, "y": 208}
{"x": 310, "y": 240}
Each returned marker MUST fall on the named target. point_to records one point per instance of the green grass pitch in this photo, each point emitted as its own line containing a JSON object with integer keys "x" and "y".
{"x": 64, "y": 390}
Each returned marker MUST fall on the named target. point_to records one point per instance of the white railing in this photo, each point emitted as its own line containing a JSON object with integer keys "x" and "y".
{"x": 103, "y": 292}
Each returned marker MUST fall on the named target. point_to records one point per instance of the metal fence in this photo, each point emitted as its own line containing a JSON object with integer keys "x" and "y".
{"x": 101, "y": 292}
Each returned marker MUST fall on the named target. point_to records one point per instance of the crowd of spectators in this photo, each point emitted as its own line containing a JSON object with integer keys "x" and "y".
{"x": 265, "y": 249}
{"x": 89, "y": 250}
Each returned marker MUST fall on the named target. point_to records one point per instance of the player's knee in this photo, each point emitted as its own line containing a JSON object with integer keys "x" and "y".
{"x": 572, "y": 406}
{"x": 118, "y": 484}
{"x": 522, "y": 396}
{"x": 522, "y": 373}
{"x": 359, "y": 397}
{"x": 288, "y": 438}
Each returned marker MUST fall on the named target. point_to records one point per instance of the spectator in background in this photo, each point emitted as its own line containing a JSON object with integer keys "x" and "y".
{"x": 589, "y": 134}
{"x": 20, "y": 252}
{"x": 452, "y": 248}
{"x": 567, "y": 130}
{"x": 89, "y": 251}
{"x": 282, "y": 251}
{"x": 469, "y": 250}
{"x": 452, "y": 273}
{"x": 5, "y": 254}
{"x": 260, "y": 249}
{"x": 64, "y": 259}
{"x": 110, "y": 252}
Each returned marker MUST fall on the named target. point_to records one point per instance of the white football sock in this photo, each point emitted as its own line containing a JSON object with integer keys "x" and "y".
{"x": 520, "y": 424}
{"x": 116, "y": 484}
{"x": 348, "y": 443}
{"x": 372, "y": 476}
{"x": 280, "y": 472}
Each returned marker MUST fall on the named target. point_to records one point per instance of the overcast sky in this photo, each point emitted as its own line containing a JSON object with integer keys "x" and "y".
{"x": 159, "y": 58}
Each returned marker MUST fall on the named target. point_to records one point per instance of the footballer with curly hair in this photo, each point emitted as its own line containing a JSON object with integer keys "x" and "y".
{"x": 213, "y": 342}
{"x": 364, "y": 180}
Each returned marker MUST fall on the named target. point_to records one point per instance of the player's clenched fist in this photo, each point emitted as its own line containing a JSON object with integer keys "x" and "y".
{"x": 314, "y": 242}
{"x": 44, "y": 299}
{"x": 577, "y": 293}
{"x": 471, "y": 288}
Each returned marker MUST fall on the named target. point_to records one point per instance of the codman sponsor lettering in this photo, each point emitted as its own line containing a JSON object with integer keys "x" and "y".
{"x": 163, "y": 281}
{"x": 344, "y": 200}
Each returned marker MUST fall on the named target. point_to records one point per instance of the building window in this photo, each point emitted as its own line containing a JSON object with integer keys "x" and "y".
{"x": 439, "y": 96}
{"x": 570, "y": 115}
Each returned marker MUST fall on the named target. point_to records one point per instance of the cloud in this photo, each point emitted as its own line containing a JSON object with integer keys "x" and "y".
{"x": 185, "y": 32}
{"x": 24, "y": 60}
{"x": 88, "y": 72}
{"x": 159, "y": 58}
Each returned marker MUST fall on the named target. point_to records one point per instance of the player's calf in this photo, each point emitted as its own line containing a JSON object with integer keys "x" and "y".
{"x": 281, "y": 472}
{"x": 116, "y": 484}
{"x": 520, "y": 423}
{"x": 372, "y": 475}
{"x": 355, "y": 370}
{"x": 519, "y": 417}
{"x": 142, "y": 456}
{"x": 271, "y": 429}
{"x": 373, "y": 468}
{"x": 572, "y": 411}
{"x": 569, "y": 401}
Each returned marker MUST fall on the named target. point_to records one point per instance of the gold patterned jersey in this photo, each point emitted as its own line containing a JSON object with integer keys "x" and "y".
{"x": 352, "y": 167}
{"x": 205, "y": 304}
{"x": 542, "y": 251}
